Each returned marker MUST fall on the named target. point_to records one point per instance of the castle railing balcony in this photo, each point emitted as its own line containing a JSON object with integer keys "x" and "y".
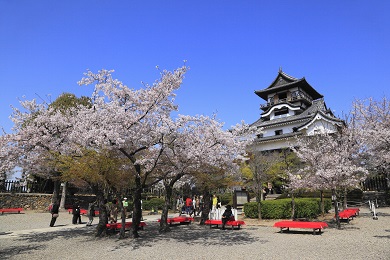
{"x": 295, "y": 96}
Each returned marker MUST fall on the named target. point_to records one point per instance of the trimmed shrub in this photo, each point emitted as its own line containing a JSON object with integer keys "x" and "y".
{"x": 275, "y": 209}
{"x": 250, "y": 210}
{"x": 306, "y": 208}
{"x": 155, "y": 203}
{"x": 281, "y": 209}
{"x": 226, "y": 198}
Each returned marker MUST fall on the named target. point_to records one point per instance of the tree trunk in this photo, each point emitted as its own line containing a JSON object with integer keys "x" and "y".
{"x": 123, "y": 220}
{"x": 292, "y": 205}
{"x": 101, "y": 229}
{"x": 336, "y": 208}
{"x": 258, "y": 200}
{"x": 137, "y": 209}
{"x": 206, "y": 207}
{"x": 56, "y": 191}
{"x": 322, "y": 203}
{"x": 63, "y": 196}
{"x": 164, "y": 227}
{"x": 345, "y": 198}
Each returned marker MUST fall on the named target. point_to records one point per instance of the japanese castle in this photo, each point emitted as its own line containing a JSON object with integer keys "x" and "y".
{"x": 293, "y": 107}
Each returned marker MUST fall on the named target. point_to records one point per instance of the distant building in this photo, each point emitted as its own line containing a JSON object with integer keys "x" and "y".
{"x": 293, "y": 107}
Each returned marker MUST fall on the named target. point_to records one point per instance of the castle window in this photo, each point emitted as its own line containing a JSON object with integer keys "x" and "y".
{"x": 282, "y": 111}
{"x": 278, "y": 132}
{"x": 282, "y": 95}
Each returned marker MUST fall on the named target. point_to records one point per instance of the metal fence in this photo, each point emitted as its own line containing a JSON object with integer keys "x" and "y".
{"x": 14, "y": 186}
{"x": 379, "y": 183}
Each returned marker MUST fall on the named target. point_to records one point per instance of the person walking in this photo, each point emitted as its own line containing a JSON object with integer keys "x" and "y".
{"x": 76, "y": 214}
{"x": 54, "y": 213}
{"x": 125, "y": 205}
{"x": 113, "y": 208}
{"x": 197, "y": 206}
{"x": 188, "y": 206}
{"x": 90, "y": 213}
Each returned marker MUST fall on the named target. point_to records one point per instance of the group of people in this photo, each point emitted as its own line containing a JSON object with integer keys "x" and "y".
{"x": 190, "y": 206}
{"x": 113, "y": 208}
{"x": 76, "y": 212}
{"x": 195, "y": 205}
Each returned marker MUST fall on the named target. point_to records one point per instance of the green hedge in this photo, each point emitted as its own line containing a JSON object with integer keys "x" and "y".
{"x": 155, "y": 203}
{"x": 226, "y": 198}
{"x": 281, "y": 209}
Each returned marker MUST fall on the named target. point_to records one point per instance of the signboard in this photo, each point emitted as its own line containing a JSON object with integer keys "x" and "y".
{"x": 240, "y": 198}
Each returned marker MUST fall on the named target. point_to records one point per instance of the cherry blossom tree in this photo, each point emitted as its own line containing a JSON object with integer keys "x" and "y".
{"x": 133, "y": 122}
{"x": 331, "y": 161}
{"x": 199, "y": 142}
{"x": 372, "y": 118}
{"x": 40, "y": 133}
{"x": 260, "y": 165}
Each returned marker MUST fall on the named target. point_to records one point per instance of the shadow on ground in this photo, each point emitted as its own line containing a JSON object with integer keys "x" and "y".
{"x": 9, "y": 252}
{"x": 39, "y": 241}
{"x": 189, "y": 234}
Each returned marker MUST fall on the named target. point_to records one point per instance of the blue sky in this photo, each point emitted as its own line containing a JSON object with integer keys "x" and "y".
{"x": 232, "y": 47}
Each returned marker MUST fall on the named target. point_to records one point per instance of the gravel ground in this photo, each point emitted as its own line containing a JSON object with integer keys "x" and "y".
{"x": 28, "y": 236}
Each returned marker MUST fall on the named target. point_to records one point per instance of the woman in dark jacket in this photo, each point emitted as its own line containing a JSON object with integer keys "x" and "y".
{"x": 54, "y": 213}
{"x": 76, "y": 214}
{"x": 227, "y": 215}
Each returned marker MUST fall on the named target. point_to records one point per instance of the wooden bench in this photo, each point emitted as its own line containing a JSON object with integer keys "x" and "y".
{"x": 218, "y": 222}
{"x": 287, "y": 224}
{"x": 9, "y": 210}
{"x": 116, "y": 226}
{"x": 179, "y": 220}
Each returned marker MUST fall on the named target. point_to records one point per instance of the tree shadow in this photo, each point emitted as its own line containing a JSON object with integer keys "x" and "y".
{"x": 5, "y": 233}
{"x": 66, "y": 234}
{"x": 10, "y": 252}
{"x": 193, "y": 234}
{"x": 388, "y": 236}
{"x": 301, "y": 232}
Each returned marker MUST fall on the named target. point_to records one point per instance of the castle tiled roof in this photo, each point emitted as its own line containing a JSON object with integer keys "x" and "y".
{"x": 285, "y": 82}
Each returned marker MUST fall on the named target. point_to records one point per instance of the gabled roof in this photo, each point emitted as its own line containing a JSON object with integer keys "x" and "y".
{"x": 305, "y": 117}
{"x": 287, "y": 104}
{"x": 324, "y": 116}
{"x": 283, "y": 82}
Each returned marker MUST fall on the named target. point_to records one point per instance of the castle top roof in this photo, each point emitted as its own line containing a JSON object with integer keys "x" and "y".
{"x": 285, "y": 82}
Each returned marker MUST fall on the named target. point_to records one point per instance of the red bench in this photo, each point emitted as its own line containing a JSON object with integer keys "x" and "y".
{"x": 218, "y": 222}
{"x": 349, "y": 213}
{"x": 357, "y": 210}
{"x": 9, "y": 210}
{"x": 115, "y": 226}
{"x": 179, "y": 220}
{"x": 83, "y": 211}
{"x": 287, "y": 224}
